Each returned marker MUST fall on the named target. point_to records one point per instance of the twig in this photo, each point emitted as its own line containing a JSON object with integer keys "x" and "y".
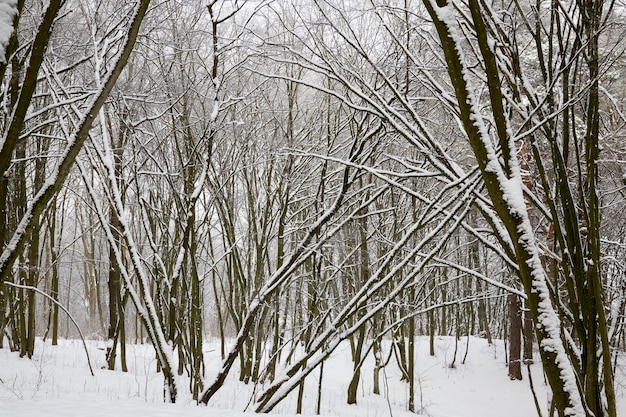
{"x": 387, "y": 392}
{"x": 80, "y": 333}
{"x": 532, "y": 389}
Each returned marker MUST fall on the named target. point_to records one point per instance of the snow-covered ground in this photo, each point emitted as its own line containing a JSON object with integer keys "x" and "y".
{"x": 57, "y": 382}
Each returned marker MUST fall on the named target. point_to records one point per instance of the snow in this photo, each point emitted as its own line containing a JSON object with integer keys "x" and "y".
{"x": 8, "y": 10}
{"x": 57, "y": 382}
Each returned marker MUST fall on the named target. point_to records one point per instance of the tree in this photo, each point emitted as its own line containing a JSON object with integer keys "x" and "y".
{"x": 306, "y": 174}
{"x": 503, "y": 181}
{"x": 17, "y": 239}
{"x": 511, "y": 110}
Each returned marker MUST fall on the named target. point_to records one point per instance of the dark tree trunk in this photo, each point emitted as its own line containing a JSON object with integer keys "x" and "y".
{"x": 116, "y": 311}
{"x": 515, "y": 338}
{"x": 528, "y": 337}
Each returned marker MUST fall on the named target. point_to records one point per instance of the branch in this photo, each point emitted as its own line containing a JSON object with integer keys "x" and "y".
{"x": 38, "y": 291}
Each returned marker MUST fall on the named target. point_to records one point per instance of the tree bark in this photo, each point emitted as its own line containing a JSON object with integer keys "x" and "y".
{"x": 515, "y": 338}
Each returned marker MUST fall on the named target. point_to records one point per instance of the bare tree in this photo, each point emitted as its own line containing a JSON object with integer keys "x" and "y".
{"x": 496, "y": 153}
{"x": 17, "y": 238}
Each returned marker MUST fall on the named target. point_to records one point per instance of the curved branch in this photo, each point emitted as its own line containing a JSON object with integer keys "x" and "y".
{"x": 80, "y": 333}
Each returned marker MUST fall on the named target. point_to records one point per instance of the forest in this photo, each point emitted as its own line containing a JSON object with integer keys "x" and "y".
{"x": 287, "y": 177}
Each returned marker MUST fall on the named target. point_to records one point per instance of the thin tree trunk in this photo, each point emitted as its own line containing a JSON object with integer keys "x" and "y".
{"x": 55, "y": 244}
{"x": 411, "y": 361}
{"x": 114, "y": 283}
{"x": 318, "y": 408}
{"x": 356, "y": 373}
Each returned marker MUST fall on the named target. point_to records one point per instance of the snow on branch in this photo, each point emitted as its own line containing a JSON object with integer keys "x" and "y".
{"x": 8, "y": 10}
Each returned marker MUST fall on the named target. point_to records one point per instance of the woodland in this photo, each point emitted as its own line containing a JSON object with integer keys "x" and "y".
{"x": 288, "y": 176}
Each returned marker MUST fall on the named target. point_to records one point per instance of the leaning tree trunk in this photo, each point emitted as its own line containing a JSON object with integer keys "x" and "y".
{"x": 503, "y": 182}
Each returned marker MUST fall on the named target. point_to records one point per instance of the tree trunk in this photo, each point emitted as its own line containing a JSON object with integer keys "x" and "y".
{"x": 528, "y": 336}
{"x": 483, "y": 321}
{"x": 54, "y": 284}
{"x": 356, "y": 360}
{"x": 114, "y": 283}
{"x": 4, "y": 184}
{"x": 411, "y": 360}
{"x": 515, "y": 338}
